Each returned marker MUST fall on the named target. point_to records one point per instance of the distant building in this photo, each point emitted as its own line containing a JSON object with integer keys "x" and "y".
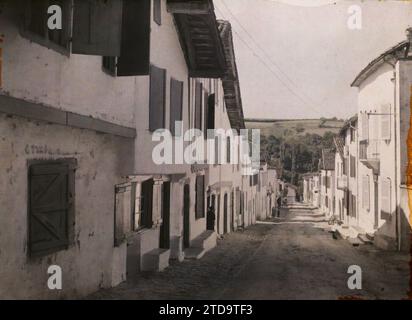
{"x": 327, "y": 178}
{"x": 384, "y": 112}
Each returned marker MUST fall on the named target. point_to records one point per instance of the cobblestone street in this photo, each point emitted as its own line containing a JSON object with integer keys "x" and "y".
{"x": 294, "y": 257}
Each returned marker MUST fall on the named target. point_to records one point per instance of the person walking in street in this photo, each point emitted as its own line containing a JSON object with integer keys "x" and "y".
{"x": 279, "y": 204}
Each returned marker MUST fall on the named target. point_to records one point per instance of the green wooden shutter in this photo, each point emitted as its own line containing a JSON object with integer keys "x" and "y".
{"x": 198, "y": 105}
{"x": 147, "y": 203}
{"x": 134, "y": 57}
{"x": 51, "y": 193}
{"x": 211, "y": 112}
{"x": 205, "y": 112}
{"x": 200, "y": 197}
{"x": 157, "y": 98}
{"x": 176, "y": 103}
{"x": 35, "y": 18}
{"x": 97, "y": 27}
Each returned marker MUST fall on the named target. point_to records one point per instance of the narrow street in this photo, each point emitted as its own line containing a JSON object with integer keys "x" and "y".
{"x": 292, "y": 257}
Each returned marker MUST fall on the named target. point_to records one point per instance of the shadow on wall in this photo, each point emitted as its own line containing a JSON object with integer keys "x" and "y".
{"x": 386, "y": 235}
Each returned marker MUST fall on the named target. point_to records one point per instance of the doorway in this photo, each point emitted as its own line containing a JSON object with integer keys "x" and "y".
{"x": 225, "y": 213}
{"x": 218, "y": 213}
{"x": 232, "y": 208}
{"x": 186, "y": 216}
{"x": 165, "y": 227}
{"x": 210, "y": 221}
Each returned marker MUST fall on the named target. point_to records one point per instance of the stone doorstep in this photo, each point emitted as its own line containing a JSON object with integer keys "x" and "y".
{"x": 194, "y": 253}
{"x": 355, "y": 241}
{"x": 364, "y": 238}
{"x": 202, "y": 244}
{"x": 156, "y": 260}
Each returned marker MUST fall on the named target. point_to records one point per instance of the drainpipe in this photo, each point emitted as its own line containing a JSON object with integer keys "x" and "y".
{"x": 397, "y": 212}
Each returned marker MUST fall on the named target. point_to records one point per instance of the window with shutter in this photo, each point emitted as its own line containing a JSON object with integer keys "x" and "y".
{"x": 134, "y": 57}
{"x": 146, "y": 204}
{"x": 157, "y": 98}
{"x": 157, "y": 11}
{"x": 352, "y": 167}
{"x": 217, "y": 150}
{"x": 200, "y": 197}
{"x": 176, "y": 105}
{"x": 228, "y": 151}
{"x": 205, "y": 113}
{"x": 386, "y": 122}
{"x": 125, "y": 199}
{"x": 35, "y": 24}
{"x": 365, "y": 126}
{"x": 97, "y": 27}
{"x": 211, "y": 112}
{"x": 198, "y": 105}
{"x": 386, "y": 199}
{"x": 366, "y": 193}
{"x": 51, "y": 206}
{"x": 353, "y": 197}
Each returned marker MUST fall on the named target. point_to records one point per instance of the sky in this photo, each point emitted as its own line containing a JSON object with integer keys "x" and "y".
{"x": 297, "y": 58}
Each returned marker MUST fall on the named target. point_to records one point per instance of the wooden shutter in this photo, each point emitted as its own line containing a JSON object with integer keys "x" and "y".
{"x": 176, "y": 104}
{"x": 365, "y": 193}
{"x": 157, "y": 11}
{"x": 205, "y": 113}
{"x": 365, "y": 126}
{"x": 200, "y": 197}
{"x": 97, "y": 27}
{"x": 386, "y": 122}
{"x": 386, "y": 199}
{"x": 157, "y": 98}
{"x": 35, "y": 18}
{"x": 211, "y": 112}
{"x": 51, "y": 200}
{"x": 134, "y": 57}
{"x": 228, "y": 150}
{"x": 146, "y": 203}
{"x": 198, "y": 105}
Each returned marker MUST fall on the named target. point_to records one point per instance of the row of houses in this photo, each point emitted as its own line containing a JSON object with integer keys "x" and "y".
{"x": 364, "y": 182}
{"x": 83, "y": 110}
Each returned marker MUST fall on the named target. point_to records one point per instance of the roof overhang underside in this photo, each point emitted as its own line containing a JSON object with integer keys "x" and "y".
{"x": 199, "y": 37}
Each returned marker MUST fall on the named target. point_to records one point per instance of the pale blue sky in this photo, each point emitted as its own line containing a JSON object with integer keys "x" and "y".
{"x": 313, "y": 55}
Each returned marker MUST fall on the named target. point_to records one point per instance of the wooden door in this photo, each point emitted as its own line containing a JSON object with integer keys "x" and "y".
{"x": 165, "y": 228}
{"x": 186, "y": 216}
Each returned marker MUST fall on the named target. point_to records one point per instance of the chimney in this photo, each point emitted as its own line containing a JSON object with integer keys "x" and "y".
{"x": 409, "y": 39}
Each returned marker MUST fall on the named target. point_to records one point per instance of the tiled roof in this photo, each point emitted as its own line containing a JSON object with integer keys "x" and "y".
{"x": 398, "y": 51}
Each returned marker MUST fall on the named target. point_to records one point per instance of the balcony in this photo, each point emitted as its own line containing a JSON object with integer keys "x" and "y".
{"x": 342, "y": 183}
{"x": 369, "y": 154}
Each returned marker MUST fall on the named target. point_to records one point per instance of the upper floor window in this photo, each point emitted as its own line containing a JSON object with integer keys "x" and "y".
{"x": 35, "y": 25}
{"x": 366, "y": 193}
{"x": 157, "y": 98}
{"x": 386, "y": 122}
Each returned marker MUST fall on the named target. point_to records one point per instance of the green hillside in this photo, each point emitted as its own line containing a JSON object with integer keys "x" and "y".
{"x": 299, "y": 127}
{"x": 295, "y": 146}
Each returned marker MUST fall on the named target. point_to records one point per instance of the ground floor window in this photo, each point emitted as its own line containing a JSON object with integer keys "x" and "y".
{"x": 51, "y": 194}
